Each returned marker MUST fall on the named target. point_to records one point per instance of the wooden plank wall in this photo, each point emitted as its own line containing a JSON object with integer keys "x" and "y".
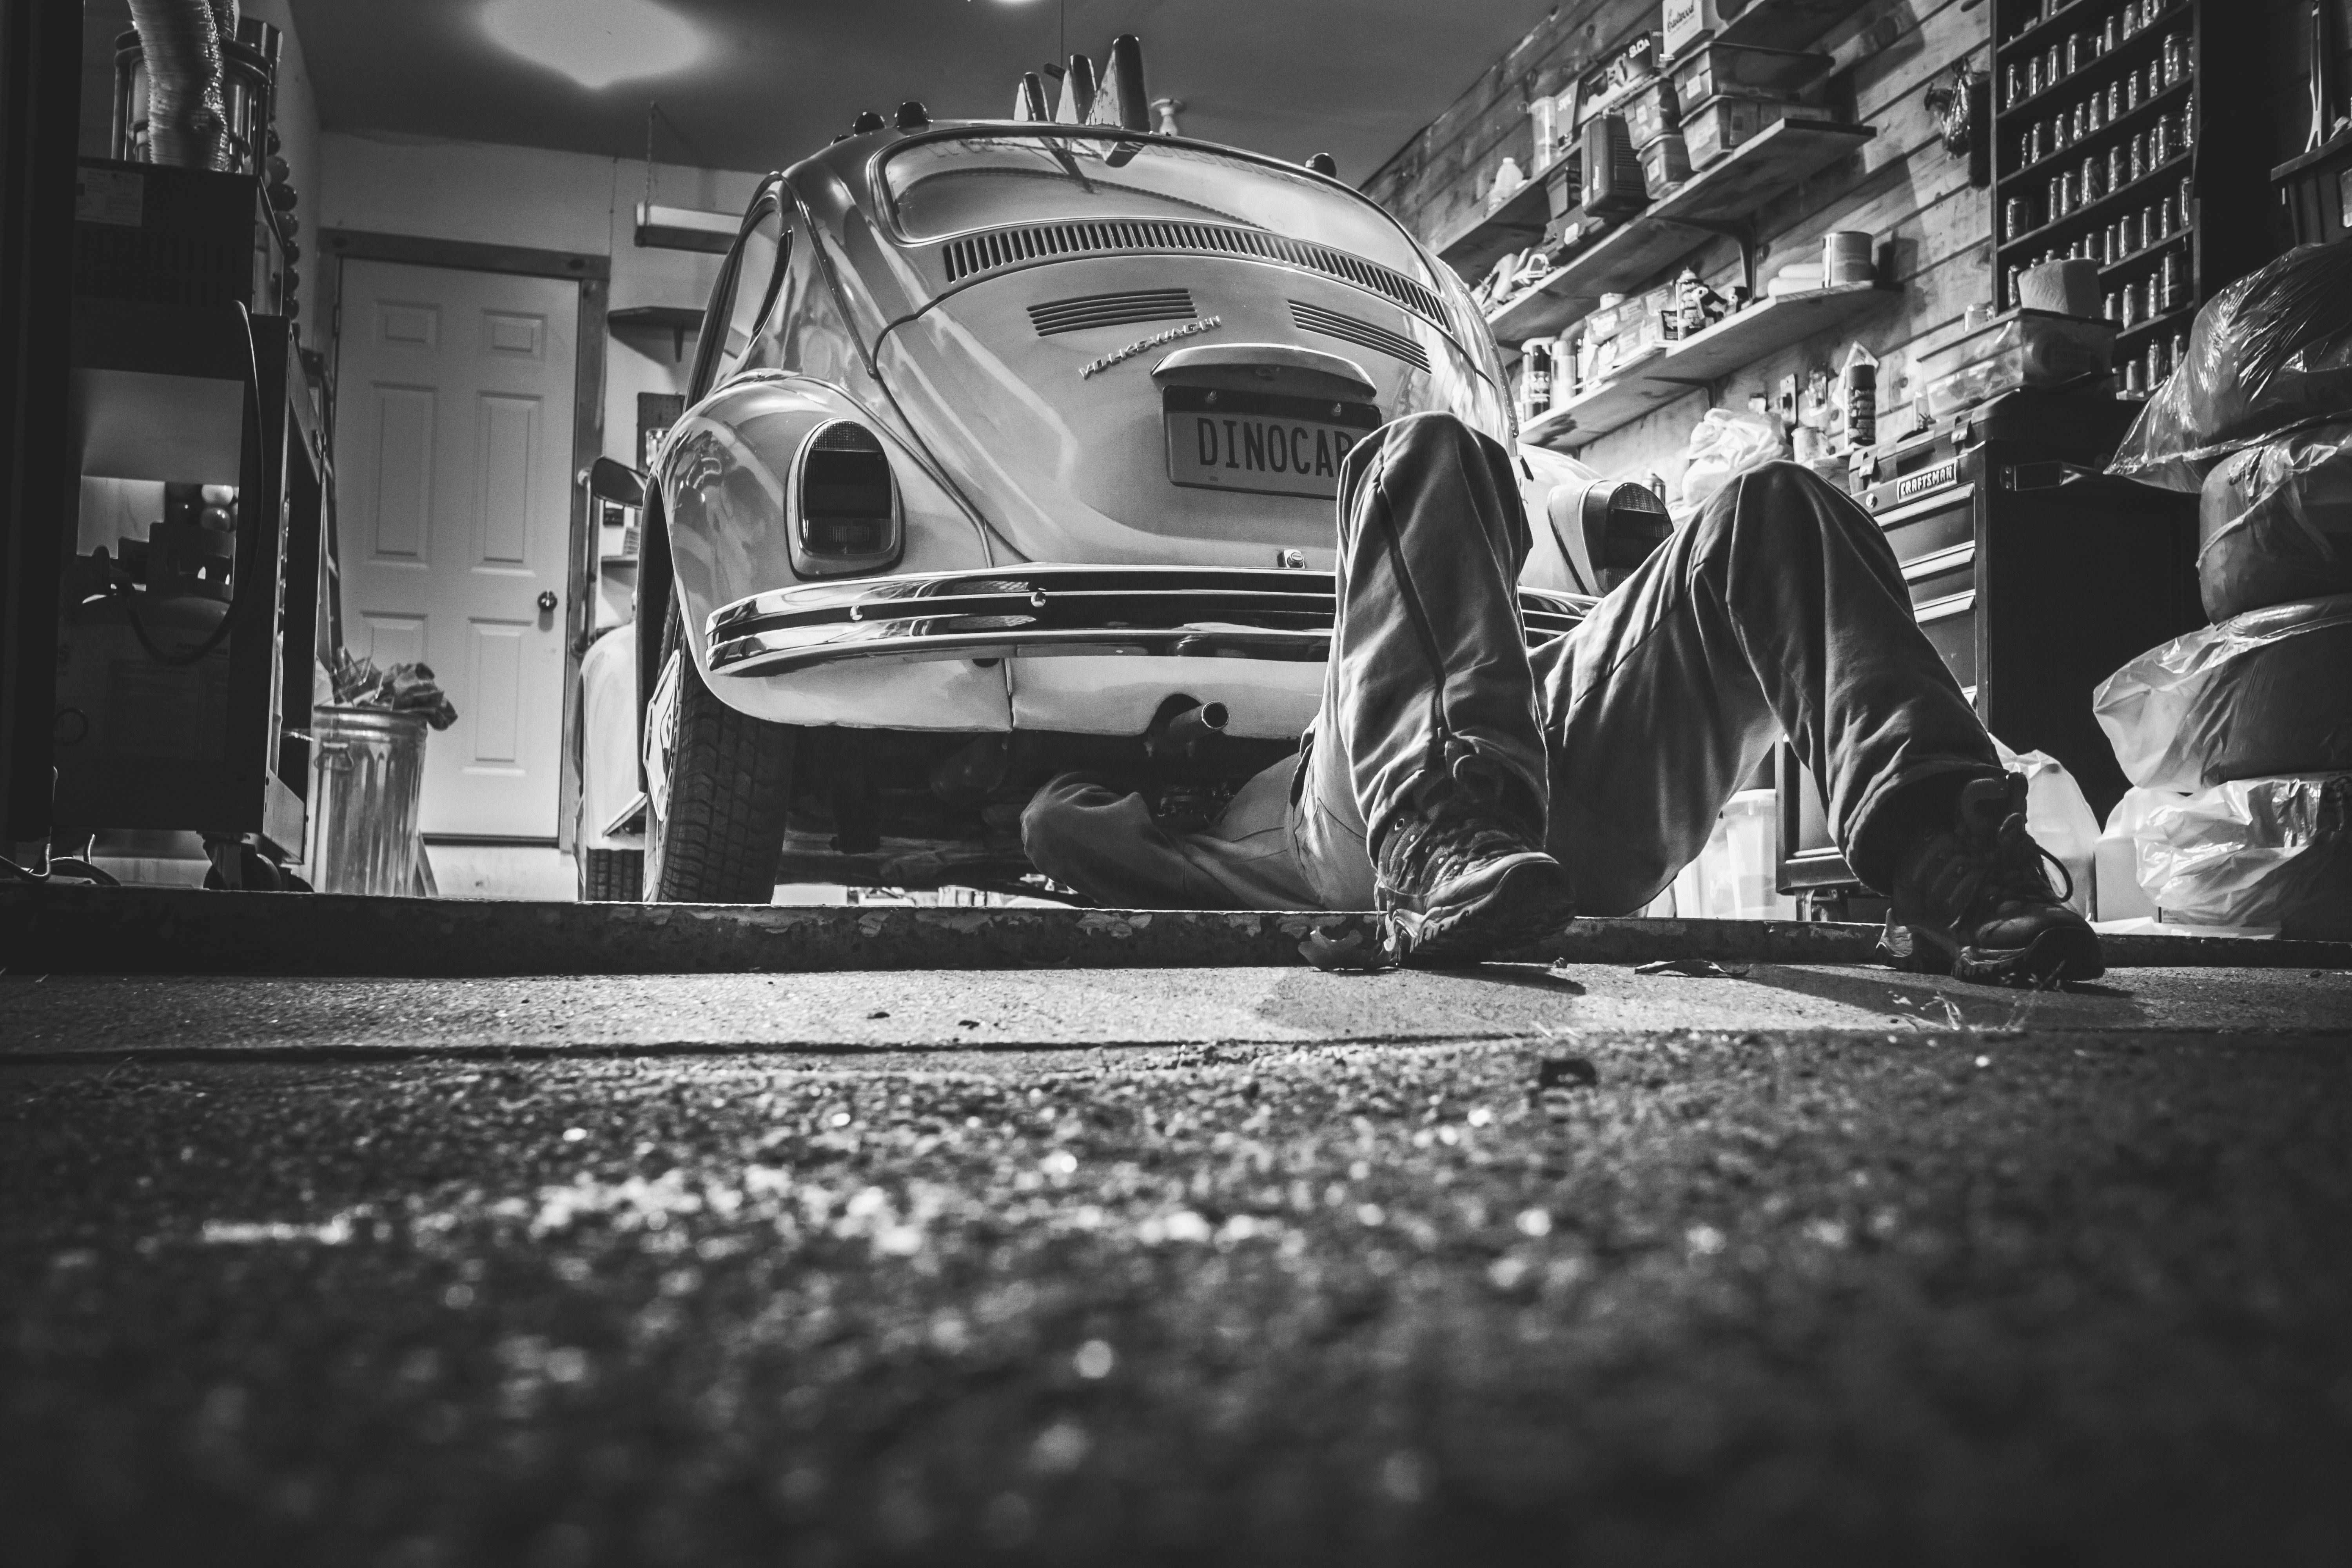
{"x": 1932, "y": 228}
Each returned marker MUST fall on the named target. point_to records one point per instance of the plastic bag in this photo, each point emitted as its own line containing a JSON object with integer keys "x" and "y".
{"x": 2267, "y": 692}
{"x": 2059, "y": 816}
{"x": 2271, "y": 351}
{"x": 2268, "y": 852}
{"x": 1723, "y": 446}
{"x": 2275, "y": 522}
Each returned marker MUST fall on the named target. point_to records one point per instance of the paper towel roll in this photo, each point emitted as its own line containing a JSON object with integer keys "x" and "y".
{"x": 2068, "y": 288}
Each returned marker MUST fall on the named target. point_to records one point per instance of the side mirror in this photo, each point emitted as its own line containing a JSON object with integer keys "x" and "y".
{"x": 609, "y": 480}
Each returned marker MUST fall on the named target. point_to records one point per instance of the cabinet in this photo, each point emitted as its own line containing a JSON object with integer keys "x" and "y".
{"x": 2125, "y": 134}
{"x": 2035, "y": 575}
{"x": 184, "y": 647}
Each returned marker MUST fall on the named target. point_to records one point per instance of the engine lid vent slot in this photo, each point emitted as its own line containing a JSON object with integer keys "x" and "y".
{"x": 1332, "y": 324}
{"x": 995, "y": 249}
{"x": 1112, "y": 309}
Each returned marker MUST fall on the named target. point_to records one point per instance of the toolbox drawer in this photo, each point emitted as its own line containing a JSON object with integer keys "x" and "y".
{"x": 1932, "y": 523}
{"x": 1941, "y": 574}
{"x": 1950, "y": 624}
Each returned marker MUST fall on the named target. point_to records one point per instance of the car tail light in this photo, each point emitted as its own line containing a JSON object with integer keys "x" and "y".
{"x": 845, "y": 504}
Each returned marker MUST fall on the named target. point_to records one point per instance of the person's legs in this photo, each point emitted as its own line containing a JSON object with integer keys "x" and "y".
{"x": 1780, "y": 609}
{"x": 1423, "y": 788}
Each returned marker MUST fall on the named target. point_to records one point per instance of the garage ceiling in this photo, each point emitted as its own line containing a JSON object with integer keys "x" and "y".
{"x": 775, "y": 79}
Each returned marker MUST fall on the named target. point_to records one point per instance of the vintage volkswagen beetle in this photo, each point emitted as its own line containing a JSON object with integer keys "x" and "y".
{"x": 1010, "y": 447}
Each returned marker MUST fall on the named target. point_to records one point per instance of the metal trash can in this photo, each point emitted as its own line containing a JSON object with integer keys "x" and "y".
{"x": 370, "y": 772}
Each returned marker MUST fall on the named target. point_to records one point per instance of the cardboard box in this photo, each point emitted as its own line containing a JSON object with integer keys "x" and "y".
{"x": 1682, "y": 22}
{"x": 1721, "y": 123}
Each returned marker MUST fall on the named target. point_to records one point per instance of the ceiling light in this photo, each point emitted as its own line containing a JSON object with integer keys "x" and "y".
{"x": 594, "y": 42}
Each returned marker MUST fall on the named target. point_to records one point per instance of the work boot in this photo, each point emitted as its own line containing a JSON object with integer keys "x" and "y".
{"x": 1460, "y": 877}
{"x": 1975, "y": 895}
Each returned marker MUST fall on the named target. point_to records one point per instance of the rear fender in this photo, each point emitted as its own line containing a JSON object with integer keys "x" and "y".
{"x": 725, "y": 482}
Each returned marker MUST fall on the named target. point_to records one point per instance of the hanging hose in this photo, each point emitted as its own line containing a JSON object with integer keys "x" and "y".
{"x": 186, "y": 124}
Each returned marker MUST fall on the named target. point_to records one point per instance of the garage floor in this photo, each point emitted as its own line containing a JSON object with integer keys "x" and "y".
{"x": 1130, "y": 1265}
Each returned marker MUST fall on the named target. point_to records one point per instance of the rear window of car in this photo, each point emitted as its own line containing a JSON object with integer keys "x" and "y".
{"x": 952, "y": 185}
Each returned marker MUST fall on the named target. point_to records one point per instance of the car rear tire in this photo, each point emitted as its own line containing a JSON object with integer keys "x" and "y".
{"x": 612, "y": 876}
{"x": 722, "y": 830}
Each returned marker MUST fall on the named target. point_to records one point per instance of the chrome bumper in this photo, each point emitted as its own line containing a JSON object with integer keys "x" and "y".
{"x": 1035, "y": 612}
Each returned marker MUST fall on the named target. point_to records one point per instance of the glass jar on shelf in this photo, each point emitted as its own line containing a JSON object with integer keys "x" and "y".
{"x": 2175, "y": 58}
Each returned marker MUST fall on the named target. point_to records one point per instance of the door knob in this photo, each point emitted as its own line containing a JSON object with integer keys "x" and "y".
{"x": 547, "y": 601}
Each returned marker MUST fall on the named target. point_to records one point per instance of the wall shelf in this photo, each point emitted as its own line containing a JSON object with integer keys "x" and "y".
{"x": 1487, "y": 238}
{"x": 1721, "y": 199}
{"x": 676, "y": 320}
{"x": 1736, "y": 340}
{"x": 1786, "y": 24}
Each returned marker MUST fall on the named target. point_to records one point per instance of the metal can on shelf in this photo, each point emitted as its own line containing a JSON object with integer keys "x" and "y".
{"x": 2114, "y": 307}
{"x": 2135, "y": 378}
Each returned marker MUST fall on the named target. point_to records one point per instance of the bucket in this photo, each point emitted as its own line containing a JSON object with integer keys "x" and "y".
{"x": 369, "y": 764}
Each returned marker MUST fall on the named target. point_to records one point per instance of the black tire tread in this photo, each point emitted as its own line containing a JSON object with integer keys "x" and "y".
{"x": 612, "y": 876}
{"x": 730, "y": 783}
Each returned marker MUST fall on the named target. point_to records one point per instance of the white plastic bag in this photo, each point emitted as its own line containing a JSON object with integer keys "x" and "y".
{"x": 1724, "y": 444}
{"x": 2059, "y": 818}
{"x": 2267, "y": 693}
{"x": 2252, "y": 853}
{"x": 2275, "y": 522}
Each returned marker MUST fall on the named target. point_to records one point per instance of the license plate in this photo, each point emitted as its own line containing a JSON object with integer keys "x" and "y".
{"x": 1261, "y": 444}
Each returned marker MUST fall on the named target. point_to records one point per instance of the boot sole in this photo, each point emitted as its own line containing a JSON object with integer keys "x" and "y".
{"x": 1531, "y": 899}
{"x": 2061, "y": 954}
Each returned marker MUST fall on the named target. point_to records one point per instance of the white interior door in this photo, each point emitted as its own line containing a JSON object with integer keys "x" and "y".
{"x": 453, "y": 451}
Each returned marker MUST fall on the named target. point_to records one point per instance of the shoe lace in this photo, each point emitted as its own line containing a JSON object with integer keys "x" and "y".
{"x": 1457, "y": 821}
{"x": 2012, "y": 868}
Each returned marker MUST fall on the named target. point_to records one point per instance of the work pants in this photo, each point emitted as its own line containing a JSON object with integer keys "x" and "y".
{"x": 1777, "y": 610}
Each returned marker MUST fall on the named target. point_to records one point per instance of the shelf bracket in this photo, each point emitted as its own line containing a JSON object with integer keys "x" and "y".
{"x": 1739, "y": 231}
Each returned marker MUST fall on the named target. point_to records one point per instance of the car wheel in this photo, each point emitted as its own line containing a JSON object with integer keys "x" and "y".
{"x": 717, "y": 835}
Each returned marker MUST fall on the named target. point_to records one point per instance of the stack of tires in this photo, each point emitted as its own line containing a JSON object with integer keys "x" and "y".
{"x": 2238, "y": 738}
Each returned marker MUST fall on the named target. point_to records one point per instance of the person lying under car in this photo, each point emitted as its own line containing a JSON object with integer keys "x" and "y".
{"x": 1479, "y": 795}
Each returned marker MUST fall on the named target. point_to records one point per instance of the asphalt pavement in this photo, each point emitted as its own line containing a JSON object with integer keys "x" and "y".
{"x": 1817, "y": 1263}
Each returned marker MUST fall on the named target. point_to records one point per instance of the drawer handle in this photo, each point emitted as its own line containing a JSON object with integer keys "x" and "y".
{"x": 2048, "y": 476}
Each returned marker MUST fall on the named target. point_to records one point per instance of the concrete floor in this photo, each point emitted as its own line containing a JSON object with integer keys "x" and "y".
{"x": 1170, "y": 1265}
